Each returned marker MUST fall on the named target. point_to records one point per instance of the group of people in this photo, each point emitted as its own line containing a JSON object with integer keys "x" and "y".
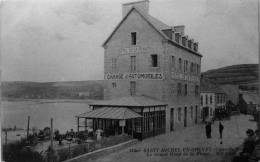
{"x": 208, "y": 130}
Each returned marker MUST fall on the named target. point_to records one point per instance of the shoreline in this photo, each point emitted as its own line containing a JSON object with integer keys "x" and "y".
{"x": 50, "y": 100}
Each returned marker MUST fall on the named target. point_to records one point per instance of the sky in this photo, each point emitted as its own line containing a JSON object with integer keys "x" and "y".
{"x": 61, "y": 40}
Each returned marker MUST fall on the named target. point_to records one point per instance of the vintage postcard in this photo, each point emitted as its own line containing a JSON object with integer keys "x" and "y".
{"x": 130, "y": 80}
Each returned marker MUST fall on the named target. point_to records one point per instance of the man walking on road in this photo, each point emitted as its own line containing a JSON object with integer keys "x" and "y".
{"x": 208, "y": 130}
{"x": 221, "y": 127}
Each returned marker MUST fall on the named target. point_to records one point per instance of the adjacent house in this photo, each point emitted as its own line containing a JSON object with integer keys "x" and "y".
{"x": 213, "y": 100}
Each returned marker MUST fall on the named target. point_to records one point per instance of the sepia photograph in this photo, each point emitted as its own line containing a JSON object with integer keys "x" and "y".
{"x": 130, "y": 80}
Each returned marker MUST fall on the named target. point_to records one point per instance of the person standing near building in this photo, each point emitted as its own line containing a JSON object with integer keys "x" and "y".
{"x": 208, "y": 130}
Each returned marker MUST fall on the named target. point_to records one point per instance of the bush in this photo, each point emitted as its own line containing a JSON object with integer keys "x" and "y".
{"x": 20, "y": 151}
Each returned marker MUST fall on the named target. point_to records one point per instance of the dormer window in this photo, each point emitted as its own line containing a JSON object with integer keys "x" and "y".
{"x": 183, "y": 41}
{"x": 133, "y": 38}
{"x": 195, "y": 47}
{"x": 189, "y": 43}
{"x": 177, "y": 37}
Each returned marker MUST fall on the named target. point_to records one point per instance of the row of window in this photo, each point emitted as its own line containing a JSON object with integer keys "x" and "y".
{"x": 132, "y": 87}
{"x": 221, "y": 99}
{"x": 209, "y": 99}
{"x": 185, "y": 42}
{"x": 182, "y": 89}
{"x": 183, "y": 65}
{"x": 179, "y": 88}
{"x": 179, "y": 115}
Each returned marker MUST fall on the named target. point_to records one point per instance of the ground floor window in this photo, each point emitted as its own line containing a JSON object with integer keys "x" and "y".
{"x": 191, "y": 112}
{"x": 179, "y": 114}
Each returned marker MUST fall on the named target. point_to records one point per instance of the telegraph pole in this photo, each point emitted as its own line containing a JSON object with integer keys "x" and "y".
{"x": 51, "y": 133}
{"x": 28, "y": 127}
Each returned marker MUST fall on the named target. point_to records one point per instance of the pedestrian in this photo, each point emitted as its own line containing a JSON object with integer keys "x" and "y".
{"x": 248, "y": 148}
{"x": 221, "y": 127}
{"x": 208, "y": 129}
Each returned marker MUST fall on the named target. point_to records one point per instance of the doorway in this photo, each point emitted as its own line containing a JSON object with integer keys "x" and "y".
{"x": 172, "y": 119}
{"x": 185, "y": 117}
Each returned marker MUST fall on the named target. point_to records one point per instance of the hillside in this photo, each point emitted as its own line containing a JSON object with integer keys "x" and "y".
{"x": 53, "y": 90}
{"x": 244, "y": 75}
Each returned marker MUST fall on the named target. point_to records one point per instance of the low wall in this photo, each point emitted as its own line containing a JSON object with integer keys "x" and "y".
{"x": 103, "y": 151}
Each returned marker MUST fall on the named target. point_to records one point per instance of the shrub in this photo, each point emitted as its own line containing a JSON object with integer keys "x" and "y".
{"x": 20, "y": 151}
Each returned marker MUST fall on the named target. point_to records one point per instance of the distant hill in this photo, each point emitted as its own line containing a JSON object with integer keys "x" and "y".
{"x": 244, "y": 75}
{"x": 53, "y": 90}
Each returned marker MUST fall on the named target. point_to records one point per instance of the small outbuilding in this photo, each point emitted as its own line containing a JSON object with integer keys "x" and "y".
{"x": 139, "y": 116}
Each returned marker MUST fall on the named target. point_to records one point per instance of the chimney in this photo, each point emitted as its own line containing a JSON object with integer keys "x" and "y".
{"x": 142, "y": 6}
{"x": 179, "y": 29}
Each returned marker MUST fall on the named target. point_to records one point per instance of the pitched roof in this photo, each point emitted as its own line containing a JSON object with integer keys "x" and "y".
{"x": 156, "y": 24}
{"x": 130, "y": 101}
{"x": 110, "y": 113}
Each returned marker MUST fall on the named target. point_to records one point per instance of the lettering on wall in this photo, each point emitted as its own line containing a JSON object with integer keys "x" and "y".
{"x": 133, "y": 50}
{"x": 134, "y": 76}
{"x": 190, "y": 78}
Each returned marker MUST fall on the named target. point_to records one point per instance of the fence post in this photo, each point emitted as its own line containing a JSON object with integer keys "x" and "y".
{"x": 28, "y": 127}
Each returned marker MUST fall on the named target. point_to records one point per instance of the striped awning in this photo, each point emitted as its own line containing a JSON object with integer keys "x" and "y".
{"x": 110, "y": 113}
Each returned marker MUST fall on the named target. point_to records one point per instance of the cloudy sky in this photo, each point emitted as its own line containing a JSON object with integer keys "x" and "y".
{"x": 60, "y": 40}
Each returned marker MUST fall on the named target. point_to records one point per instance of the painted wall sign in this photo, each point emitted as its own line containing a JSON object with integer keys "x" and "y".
{"x": 190, "y": 78}
{"x": 134, "y": 76}
{"x": 133, "y": 50}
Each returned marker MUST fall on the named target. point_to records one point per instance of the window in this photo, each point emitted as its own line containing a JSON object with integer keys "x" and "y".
{"x": 210, "y": 99}
{"x": 185, "y": 89}
{"x": 191, "y": 112}
{"x": 114, "y": 84}
{"x": 185, "y": 66}
{"x": 195, "y": 46}
{"x": 191, "y": 67}
{"x": 173, "y": 62}
{"x": 201, "y": 100}
{"x": 133, "y": 64}
{"x": 171, "y": 88}
{"x": 133, "y": 38}
{"x": 154, "y": 60}
{"x": 180, "y": 64}
{"x": 114, "y": 62}
{"x": 179, "y": 89}
{"x": 177, "y": 37}
{"x": 183, "y": 41}
{"x": 132, "y": 88}
{"x": 179, "y": 114}
{"x": 189, "y": 43}
{"x": 206, "y": 99}
{"x": 196, "y": 90}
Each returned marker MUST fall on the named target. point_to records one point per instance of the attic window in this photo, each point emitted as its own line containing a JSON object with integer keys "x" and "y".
{"x": 183, "y": 41}
{"x": 133, "y": 38}
{"x": 177, "y": 37}
{"x": 189, "y": 43}
{"x": 195, "y": 47}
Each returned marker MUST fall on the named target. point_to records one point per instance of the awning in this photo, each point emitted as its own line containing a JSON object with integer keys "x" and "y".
{"x": 110, "y": 113}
